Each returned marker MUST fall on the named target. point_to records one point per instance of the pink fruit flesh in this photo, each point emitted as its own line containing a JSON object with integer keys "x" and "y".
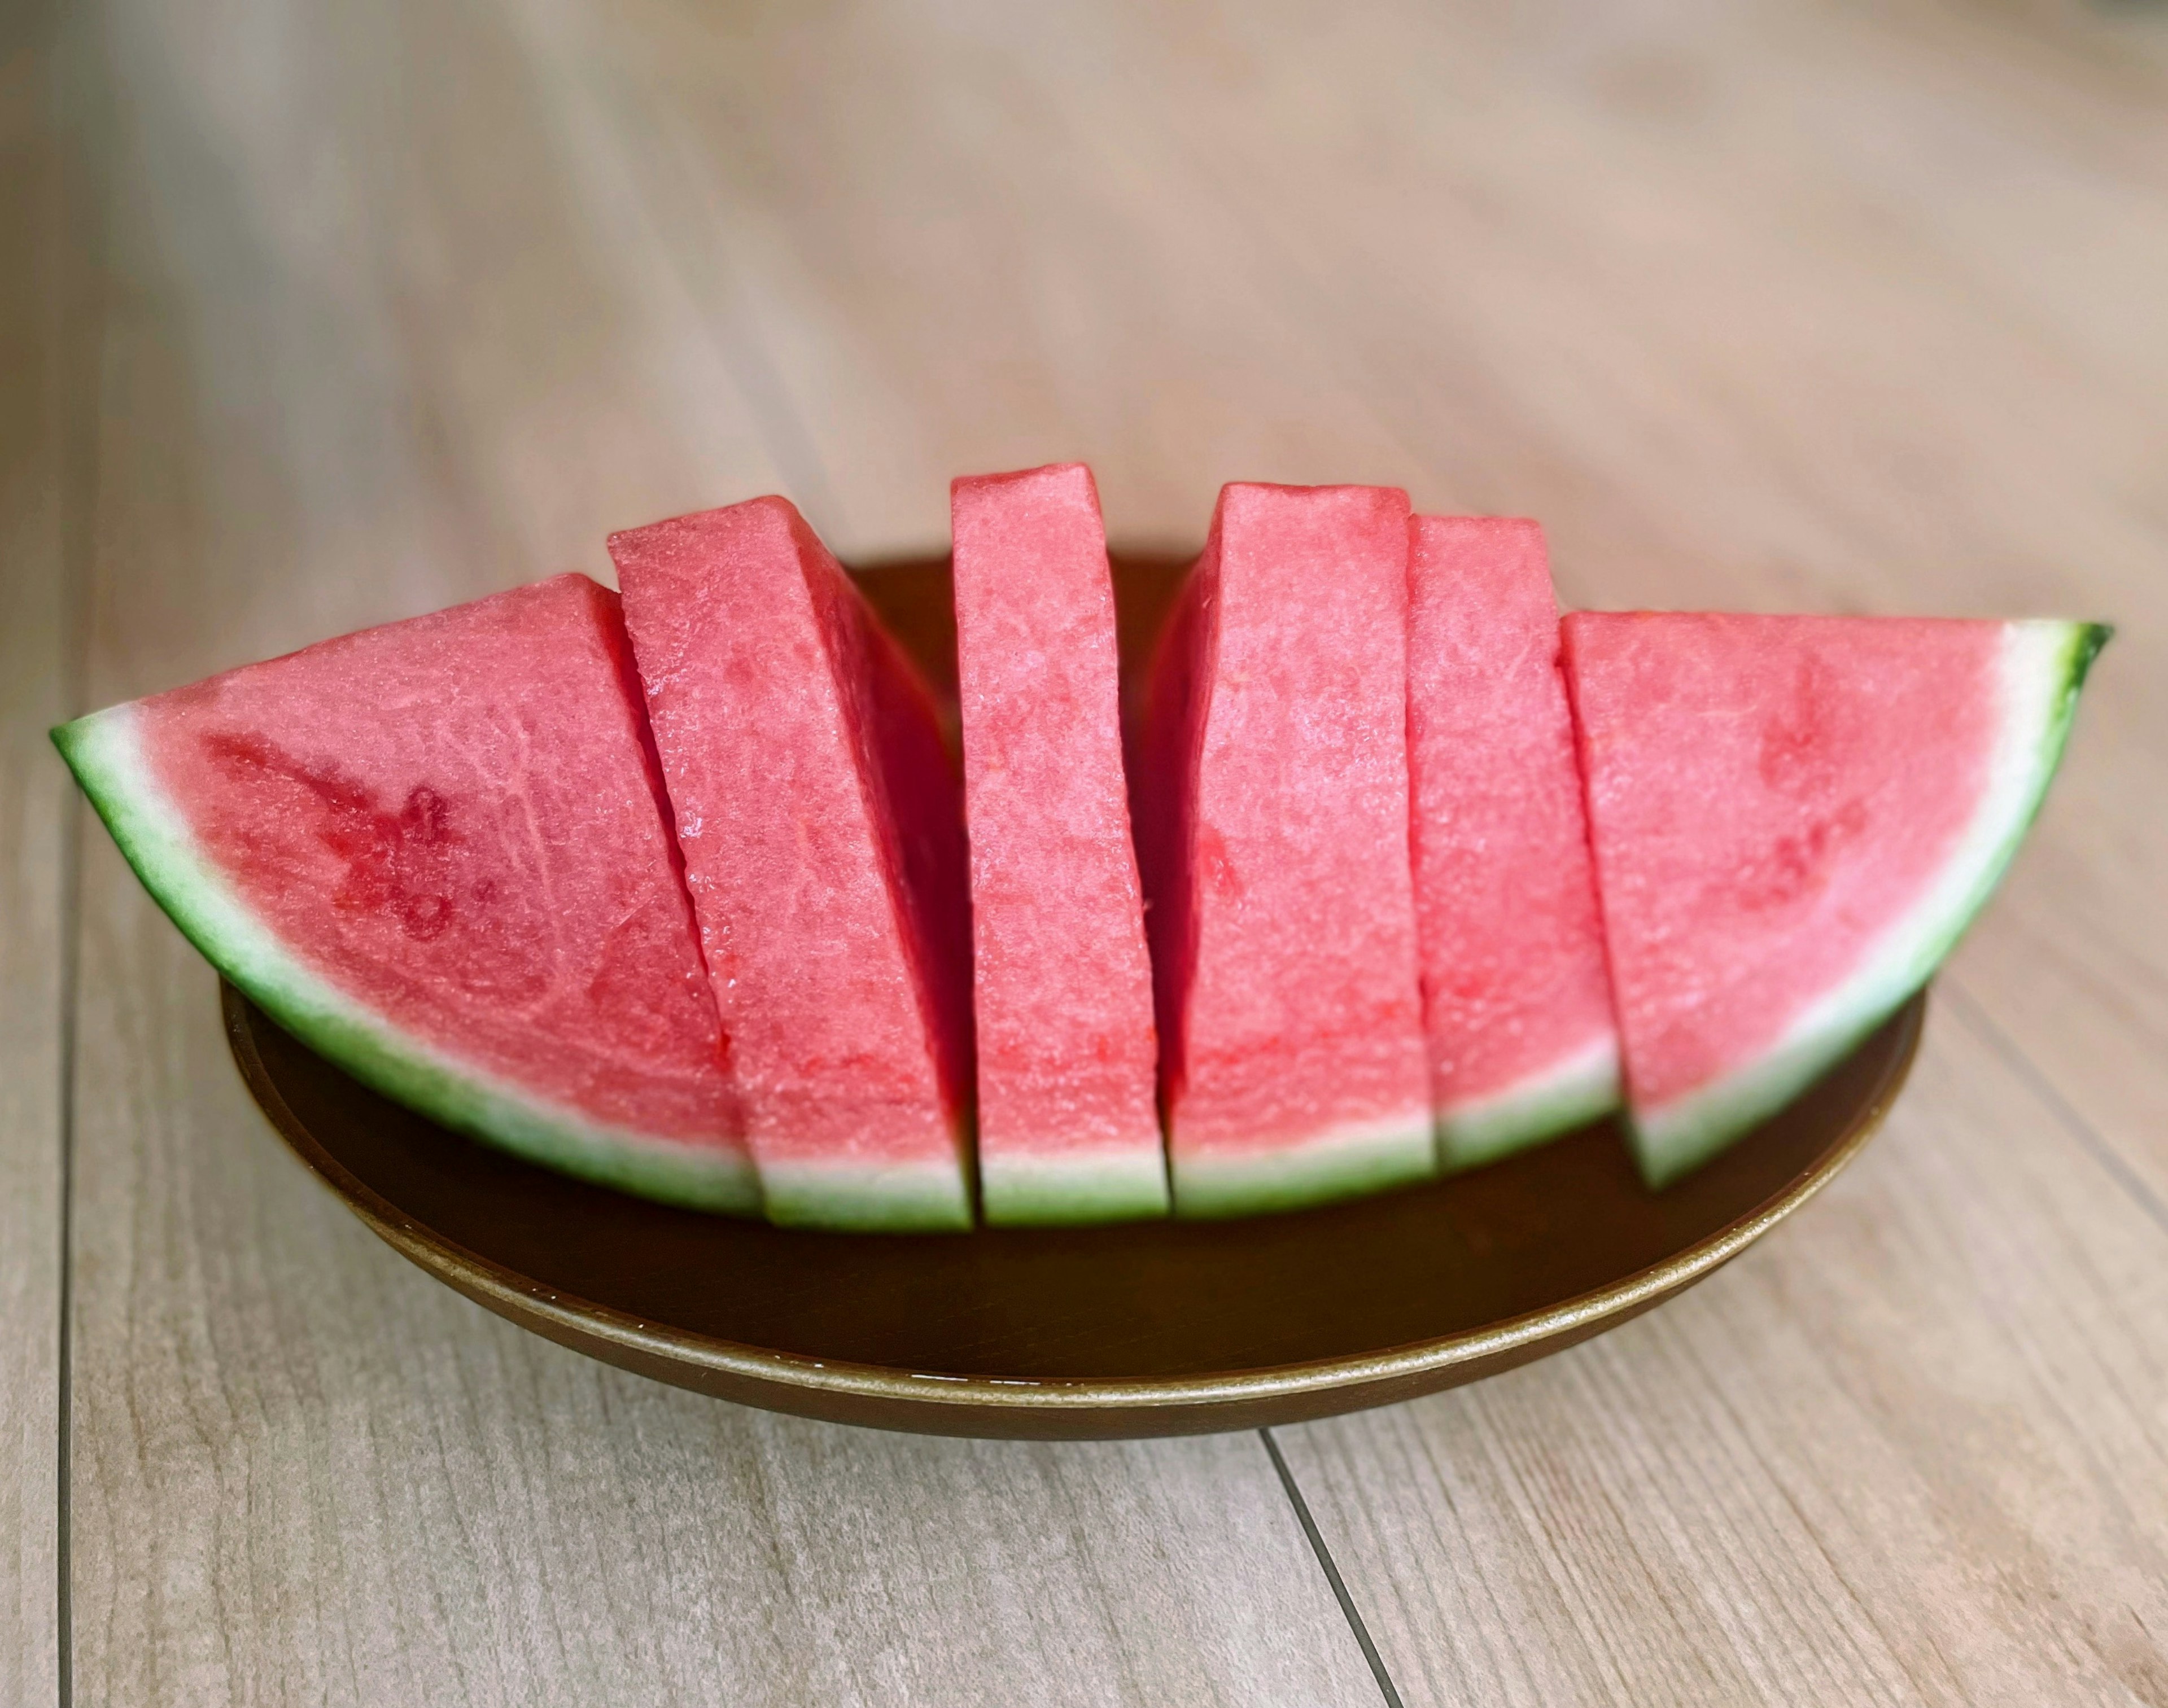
{"x": 1066, "y": 1051}
{"x": 821, "y": 826}
{"x": 455, "y": 820}
{"x": 1516, "y": 997}
{"x": 1767, "y": 794}
{"x": 1276, "y": 852}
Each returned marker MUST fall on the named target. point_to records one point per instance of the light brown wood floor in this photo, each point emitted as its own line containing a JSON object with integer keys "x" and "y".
{"x": 317, "y": 314}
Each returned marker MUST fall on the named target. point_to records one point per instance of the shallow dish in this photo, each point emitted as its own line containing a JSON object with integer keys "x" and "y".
{"x": 1153, "y": 1329}
{"x": 1165, "y": 1327}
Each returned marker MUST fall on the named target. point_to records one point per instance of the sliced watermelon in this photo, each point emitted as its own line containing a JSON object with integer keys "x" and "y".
{"x": 1793, "y": 819}
{"x": 822, "y": 823}
{"x": 1275, "y": 792}
{"x": 1516, "y": 1000}
{"x": 437, "y": 852}
{"x": 1067, "y": 1057}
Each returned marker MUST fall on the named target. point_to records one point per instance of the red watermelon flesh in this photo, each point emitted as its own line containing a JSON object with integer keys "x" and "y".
{"x": 1067, "y": 1058}
{"x": 1794, "y": 819}
{"x": 822, "y": 825}
{"x": 1275, "y": 849}
{"x": 438, "y": 852}
{"x": 1516, "y": 1002}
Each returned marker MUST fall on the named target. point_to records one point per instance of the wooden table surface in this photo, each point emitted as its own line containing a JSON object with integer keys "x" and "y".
{"x": 316, "y": 313}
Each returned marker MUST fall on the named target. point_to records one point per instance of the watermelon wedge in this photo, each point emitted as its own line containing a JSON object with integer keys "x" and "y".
{"x": 437, "y": 852}
{"x": 1516, "y": 1002}
{"x": 822, "y": 823}
{"x": 1793, "y": 819}
{"x": 1275, "y": 798}
{"x": 1067, "y": 1057}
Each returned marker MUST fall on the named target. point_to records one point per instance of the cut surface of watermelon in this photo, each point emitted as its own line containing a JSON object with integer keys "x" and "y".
{"x": 1516, "y": 1002}
{"x": 1793, "y": 819}
{"x": 1274, "y": 793}
{"x": 1067, "y": 1057}
{"x": 821, "y": 826}
{"x": 436, "y": 851}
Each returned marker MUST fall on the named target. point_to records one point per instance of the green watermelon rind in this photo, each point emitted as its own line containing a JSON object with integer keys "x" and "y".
{"x": 1052, "y": 1188}
{"x": 2044, "y": 666}
{"x": 103, "y": 751}
{"x": 1583, "y": 1088}
{"x": 1350, "y": 1161}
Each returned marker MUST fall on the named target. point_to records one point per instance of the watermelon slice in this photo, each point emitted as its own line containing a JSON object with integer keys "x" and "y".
{"x": 1794, "y": 819}
{"x": 437, "y": 852}
{"x": 822, "y": 823}
{"x": 1068, "y": 1120}
{"x": 1516, "y": 1002}
{"x": 1275, "y": 795}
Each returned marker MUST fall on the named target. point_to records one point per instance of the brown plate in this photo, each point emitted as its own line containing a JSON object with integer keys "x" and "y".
{"x": 1153, "y": 1329}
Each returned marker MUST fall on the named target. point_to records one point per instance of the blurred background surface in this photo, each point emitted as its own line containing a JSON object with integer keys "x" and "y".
{"x": 314, "y": 314}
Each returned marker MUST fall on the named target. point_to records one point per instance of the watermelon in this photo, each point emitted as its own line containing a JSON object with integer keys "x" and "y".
{"x": 1067, "y": 1056}
{"x": 822, "y": 824}
{"x": 1275, "y": 843}
{"x": 1794, "y": 818}
{"x": 438, "y": 853}
{"x": 1516, "y": 1002}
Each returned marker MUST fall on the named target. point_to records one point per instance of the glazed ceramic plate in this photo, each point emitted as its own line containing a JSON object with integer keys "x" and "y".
{"x": 1166, "y": 1328}
{"x": 1152, "y": 1328}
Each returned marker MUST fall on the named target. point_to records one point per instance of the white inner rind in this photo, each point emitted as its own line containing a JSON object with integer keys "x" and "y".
{"x": 105, "y": 753}
{"x": 867, "y": 1197}
{"x": 1583, "y": 1088}
{"x": 1102, "y": 1184}
{"x": 2035, "y": 673}
{"x": 1342, "y": 1162}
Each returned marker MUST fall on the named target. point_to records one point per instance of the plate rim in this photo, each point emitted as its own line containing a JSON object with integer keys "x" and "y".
{"x": 579, "y": 1322}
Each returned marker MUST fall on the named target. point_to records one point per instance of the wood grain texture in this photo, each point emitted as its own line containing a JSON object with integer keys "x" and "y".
{"x": 1913, "y": 1449}
{"x": 392, "y": 336}
{"x": 308, "y": 1473}
{"x": 42, "y": 332}
{"x": 1761, "y": 307}
{"x": 1774, "y": 306}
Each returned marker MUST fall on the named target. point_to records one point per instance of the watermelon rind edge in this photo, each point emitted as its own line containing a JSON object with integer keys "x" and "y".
{"x": 926, "y": 1196}
{"x": 2044, "y": 665}
{"x": 1050, "y": 1188}
{"x": 103, "y": 751}
{"x": 1583, "y": 1088}
{"x": 1347, "y": 1161}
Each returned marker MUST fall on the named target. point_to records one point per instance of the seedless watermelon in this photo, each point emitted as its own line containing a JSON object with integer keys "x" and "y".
{"x": 1276, "y": 856}
{"x": 1068, "y": 1121}
{"x": 1516, "y": 1003}
{"x": 822, "y": 824}
{"x": 437, "y": 852}
{"x": 1794, "y": 819}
